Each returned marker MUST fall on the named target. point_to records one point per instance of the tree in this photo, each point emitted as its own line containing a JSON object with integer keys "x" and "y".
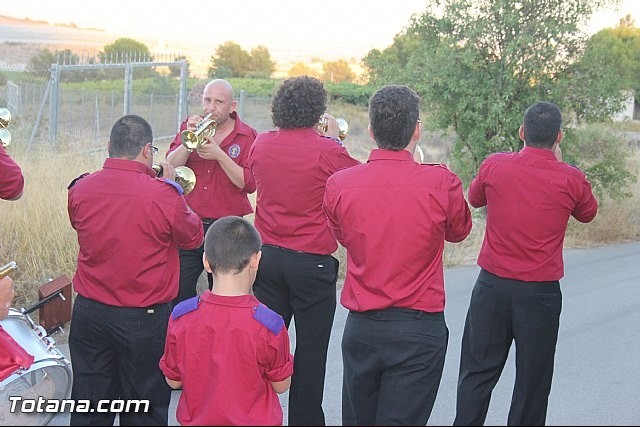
{"x": 337, "y": 72}
{"x": 230, "y": 60}
{"x": 301, "y": 69}
{"x": 616, "y": 51}
{"x": 125, "y": 50}
{"x": 175, "y": 71}
{"x": 40, "y": 64}
{"x": 478, "y": 64}
{"x": 260, "y": 64}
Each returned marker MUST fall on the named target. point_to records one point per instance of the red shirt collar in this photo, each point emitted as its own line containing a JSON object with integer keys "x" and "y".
{"x": 542, "y": 152}
{"x": 128, "y": 165}
{"x": 382, "y": 154}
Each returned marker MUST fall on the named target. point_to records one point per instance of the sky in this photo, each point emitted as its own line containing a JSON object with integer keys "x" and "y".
{"x": 328, "y": 29}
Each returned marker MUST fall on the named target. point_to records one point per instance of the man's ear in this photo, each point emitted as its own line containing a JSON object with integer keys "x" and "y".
{"x": 559, "y": 137}
{"x": 206, "y": 263}
{"x": 254, "y": 260}
{"x": 521, "y": 133}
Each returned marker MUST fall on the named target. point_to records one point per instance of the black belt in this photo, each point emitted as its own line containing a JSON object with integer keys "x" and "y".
{"x": 207, "y": 221}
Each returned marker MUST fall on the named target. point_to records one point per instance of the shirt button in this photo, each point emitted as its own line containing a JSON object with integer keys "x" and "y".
{"x": 205, "y": 188}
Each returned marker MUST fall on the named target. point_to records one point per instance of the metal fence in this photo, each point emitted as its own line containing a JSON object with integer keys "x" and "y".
{"x": 75, "y": 105}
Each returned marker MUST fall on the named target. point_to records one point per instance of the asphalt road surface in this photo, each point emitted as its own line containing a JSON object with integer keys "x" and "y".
{"x": 597, "y": 370}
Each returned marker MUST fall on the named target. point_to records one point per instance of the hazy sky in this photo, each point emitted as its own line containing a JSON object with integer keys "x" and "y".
{"x": 345, "y": 26}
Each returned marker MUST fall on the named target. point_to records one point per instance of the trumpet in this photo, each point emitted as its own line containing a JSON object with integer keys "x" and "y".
{"x": 7, "y": 269}
{"x": 185, "y": 177}
{"x": 5, "y": 135}
{"x": 343, "y": 126}
{"x": 192, "y": 140}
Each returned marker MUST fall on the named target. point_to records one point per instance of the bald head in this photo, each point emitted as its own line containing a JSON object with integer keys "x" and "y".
{"x": 220, "y": 85}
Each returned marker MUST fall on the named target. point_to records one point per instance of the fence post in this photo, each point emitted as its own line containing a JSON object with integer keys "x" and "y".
{"x": 128, "y": 71}
{"x": 182, "y": 99}
{"x": 53, "y": 103}
{"x": 241, "y": 105}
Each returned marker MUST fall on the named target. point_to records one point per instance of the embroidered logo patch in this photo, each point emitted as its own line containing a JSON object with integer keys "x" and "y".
{"x": 234, "y": 151}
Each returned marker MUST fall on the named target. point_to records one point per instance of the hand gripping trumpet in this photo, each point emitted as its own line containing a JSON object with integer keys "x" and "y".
{"x": 5, "y": 135}
{"x": 343, "y": 126}
{"x": 185, "y": 177}
{"x": 192, "y": 140}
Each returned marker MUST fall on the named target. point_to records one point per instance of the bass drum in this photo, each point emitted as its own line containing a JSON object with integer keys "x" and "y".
{"x": 49, "y": 377}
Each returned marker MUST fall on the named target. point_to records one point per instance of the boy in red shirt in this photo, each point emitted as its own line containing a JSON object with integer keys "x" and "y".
{"x": 228, "y": 352}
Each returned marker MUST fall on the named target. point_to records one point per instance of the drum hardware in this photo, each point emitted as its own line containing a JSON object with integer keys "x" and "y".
{"x": 192, "y": 140}
{"x": 5, "y": 119}
{"x": 43, "y": 371}
{"x": 343, "y": 126}
{"x": 185, "y": 177}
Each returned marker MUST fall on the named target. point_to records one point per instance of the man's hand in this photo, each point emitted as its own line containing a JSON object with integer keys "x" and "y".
{"x": 210, "y": 150}
{"x": 558, "y": 152}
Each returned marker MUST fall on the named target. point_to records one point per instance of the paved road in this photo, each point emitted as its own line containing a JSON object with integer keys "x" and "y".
{"x": 597, "y": 373}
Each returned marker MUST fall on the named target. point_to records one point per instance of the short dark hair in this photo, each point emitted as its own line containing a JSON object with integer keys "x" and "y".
{"x": 394, "y": 111}
{"x": 542, "y": 122}
{"x": 299, "y": 103}
{"x": 128, "y": 136}
{"x": 229, "y": 244}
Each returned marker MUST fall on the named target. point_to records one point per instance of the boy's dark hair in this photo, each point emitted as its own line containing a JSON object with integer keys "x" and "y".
{"x": 229, "y": 243}
{"x": 394, "y": 111}
{"x": 542, "y": 123}
{"x": 299, "y": 103}
{"x": 128, "y": 136}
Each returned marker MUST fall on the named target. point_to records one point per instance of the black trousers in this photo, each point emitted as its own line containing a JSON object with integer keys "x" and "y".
{"x": 393, "y": 361}
{"x": 503, "y": 311}
{"x": 191, "y": 267}
{"x": 115, "y": 353}
{"x": 302, "y": 286}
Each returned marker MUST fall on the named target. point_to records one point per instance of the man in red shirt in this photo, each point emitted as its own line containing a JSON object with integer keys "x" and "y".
{"x": 11, "y": 179}
{"x": 393, "y": 216}
{"x": 298, "y": 274}
{"x": 223, "y": 180}
{"x": 228, "y": 352}
{"x": 529, "y": 196}
{"x": 130, "y": 225}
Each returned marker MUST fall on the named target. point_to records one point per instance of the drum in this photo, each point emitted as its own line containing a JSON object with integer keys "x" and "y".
{"x": 49, "y": 377}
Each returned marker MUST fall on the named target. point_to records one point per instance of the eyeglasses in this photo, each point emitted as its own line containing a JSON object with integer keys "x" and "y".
{"x": 154, "y": 149}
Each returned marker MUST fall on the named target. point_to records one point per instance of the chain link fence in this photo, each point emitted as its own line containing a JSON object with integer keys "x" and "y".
{"x": 73, "y": 106}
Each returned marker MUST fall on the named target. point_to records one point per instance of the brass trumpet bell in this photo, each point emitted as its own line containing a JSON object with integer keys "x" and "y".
{"x": 343, "y": 126}
{"x": 192, "y": 140}
{"x": 5, "y": 119}
{"x": 185, "y": 177}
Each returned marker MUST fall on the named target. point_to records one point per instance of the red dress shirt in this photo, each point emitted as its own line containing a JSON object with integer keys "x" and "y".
{"x": 291, "y": 168}
{"x": 214, "y": 195}
{"x": 529, "y": 197}
{"x": 393, "y": 216}
{"x": 11, "y": 179}
{"x": 226, "y": 361}
{"x": 130, "y": 226}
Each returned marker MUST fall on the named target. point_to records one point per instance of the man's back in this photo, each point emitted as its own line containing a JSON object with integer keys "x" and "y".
{"x": 529, "y": 197}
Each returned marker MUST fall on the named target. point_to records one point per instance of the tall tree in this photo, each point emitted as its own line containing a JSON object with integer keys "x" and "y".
{"x": 337, "y": 72}
{"x": 479, "y": 63}
{"x": 261, "y": 65}
{"x": 302, "y": 69}
{"x": 230, "y": 60}
{"x": 125, "y": 49}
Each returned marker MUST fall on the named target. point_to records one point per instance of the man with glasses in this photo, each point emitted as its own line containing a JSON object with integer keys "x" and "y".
{"x": 130, "y": 225}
